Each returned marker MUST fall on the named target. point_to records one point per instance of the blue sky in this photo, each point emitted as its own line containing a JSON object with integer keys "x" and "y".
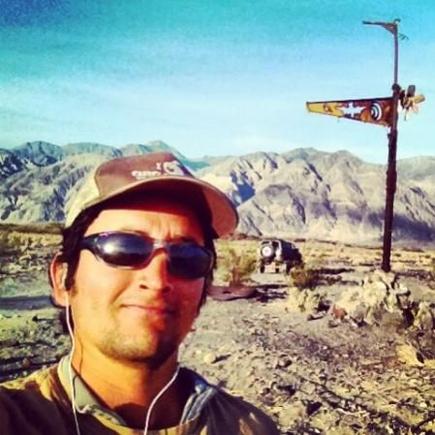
{"x": 210, "y": 77}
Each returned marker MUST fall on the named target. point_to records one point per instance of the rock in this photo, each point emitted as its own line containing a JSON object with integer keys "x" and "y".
{"x": 41, "y": 317}
{"x": 333, "y": 323}
{"x": 404, "y": 301}
{"x": 289, "y": 389}
{"x": 374, "y": 315}
{"x": 210, "y": 358}
{"x": 25, "y": 258}
{"x": 390, "y": 302}
{"x": 424, "y": 319}
{"x": 409, "y": 355}
{"x": 292, "y": 413}
{"x": 338, "y": 313}
{"x": 388, "y": 279}
{"x": 374, "y": 295}
{"x": 283, "y": 362}
{"x": 392, "y": 321}
{"x": 332, "y": 399}
{"x": 14, "y": 268}
{"x": 358, "y": 314}
{"x": 316, "y": 316}
{"x": 379, "y": 286}
{"x": 26, "y": 363}
{"x": 312, "y": 407}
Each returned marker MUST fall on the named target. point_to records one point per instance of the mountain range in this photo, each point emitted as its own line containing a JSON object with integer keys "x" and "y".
{"x": 300, "y": 193}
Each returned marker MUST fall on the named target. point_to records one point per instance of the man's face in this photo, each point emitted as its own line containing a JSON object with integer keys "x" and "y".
{"x": 136, "y": 314}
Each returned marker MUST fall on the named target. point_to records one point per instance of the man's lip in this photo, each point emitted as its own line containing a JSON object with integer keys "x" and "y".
{"x": 158, "y": 309}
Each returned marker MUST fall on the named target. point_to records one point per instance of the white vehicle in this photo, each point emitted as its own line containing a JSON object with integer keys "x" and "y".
{"x": 277, "y": 252}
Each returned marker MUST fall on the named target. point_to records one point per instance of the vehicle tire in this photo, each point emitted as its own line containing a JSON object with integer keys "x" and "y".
{"x": 287, "y": 268}
{"x": 261, "y": 268}
{"x": 276, "y": 269}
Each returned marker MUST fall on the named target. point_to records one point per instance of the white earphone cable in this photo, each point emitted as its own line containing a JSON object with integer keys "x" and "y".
{"x": 154, "y": 401}
{"x": 73, "y": 344}
{"x": 73, "y": 395}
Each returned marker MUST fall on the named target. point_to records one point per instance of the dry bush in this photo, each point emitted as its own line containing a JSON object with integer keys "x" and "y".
{"x": 9, "y": 244}
{"x": 237, "y": 267}
{"x": 303, "y": 277}
{"x": 32, "y": 228}
{"x": 431, "y": 274}
{"x": 307, "y": 301}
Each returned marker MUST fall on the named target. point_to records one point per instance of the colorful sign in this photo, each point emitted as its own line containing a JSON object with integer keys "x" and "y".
{"x": 373, "y": 110}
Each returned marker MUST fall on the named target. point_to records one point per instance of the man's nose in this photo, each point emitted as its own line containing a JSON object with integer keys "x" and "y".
{"x": 154, "y": 275}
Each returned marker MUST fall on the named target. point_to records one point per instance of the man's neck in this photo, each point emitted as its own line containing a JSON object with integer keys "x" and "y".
{"x": 128, "y": 388}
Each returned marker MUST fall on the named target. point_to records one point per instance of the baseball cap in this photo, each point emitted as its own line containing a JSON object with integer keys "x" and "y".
{"x": 159, "y": 172}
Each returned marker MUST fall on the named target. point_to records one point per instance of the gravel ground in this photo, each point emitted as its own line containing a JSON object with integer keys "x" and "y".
{"x": 311, "y": 377}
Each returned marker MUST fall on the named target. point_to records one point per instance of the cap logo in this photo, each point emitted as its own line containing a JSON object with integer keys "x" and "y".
{"x": 153, "y": 172}
{"x": 173, "y": 167}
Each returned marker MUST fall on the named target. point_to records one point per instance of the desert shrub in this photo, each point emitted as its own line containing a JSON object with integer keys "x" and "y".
{"x": 3, "y": 242}
{"x": 307, "y": 301}
{"x": 9, "y": 244}
{"x": 304, "y": 277}
{"x": 243, "y": 236}
{"x": 32, "y": 228}
{"x": 299, "y": 240}
{"x": 432, "y": 269}
{"x": 237, "y": 267}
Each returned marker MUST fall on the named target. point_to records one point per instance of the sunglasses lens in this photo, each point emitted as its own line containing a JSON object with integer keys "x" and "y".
{"x": 186, "y": 259}
{"x": 189, "y": 260}
{"x": 125, "y": 250}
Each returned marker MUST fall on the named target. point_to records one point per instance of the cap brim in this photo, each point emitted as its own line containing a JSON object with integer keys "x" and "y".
{"x": 224, "y": 217}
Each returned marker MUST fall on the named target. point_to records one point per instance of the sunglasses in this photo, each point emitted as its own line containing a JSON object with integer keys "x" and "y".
{"x": 130, "y": 251}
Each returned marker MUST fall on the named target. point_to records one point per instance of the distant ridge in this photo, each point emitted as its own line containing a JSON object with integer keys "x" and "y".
{"x": 299, "y": 193}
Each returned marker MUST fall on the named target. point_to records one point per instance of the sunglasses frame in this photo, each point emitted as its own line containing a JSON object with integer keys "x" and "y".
{"x": 92, "y": 243}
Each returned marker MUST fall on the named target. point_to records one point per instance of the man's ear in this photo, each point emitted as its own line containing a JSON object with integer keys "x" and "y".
{"x": 58, "y": 274}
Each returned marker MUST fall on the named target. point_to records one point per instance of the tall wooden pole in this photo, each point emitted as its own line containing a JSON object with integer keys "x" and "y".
{"x": 392, "y": 148}
{"x": 392, "y": 152}
{"x": 391, "y": 182}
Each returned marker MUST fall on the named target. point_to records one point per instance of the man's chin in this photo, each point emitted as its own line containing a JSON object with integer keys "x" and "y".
{"x": 152, "y": 356}
{"x": 153, "y": 361}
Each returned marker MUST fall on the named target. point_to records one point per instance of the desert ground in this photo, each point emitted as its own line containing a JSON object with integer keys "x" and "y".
{"x": 336, "y": 347}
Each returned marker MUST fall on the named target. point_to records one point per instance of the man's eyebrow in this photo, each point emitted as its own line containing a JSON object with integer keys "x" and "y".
{"x": 145, "y": 234}
{"x": 132, "y": 230}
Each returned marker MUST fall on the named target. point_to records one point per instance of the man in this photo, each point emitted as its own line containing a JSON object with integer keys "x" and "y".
{"x": 136, "y": 260}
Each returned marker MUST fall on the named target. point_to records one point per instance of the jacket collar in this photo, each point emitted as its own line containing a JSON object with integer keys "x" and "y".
{"x": 87, "y": 403}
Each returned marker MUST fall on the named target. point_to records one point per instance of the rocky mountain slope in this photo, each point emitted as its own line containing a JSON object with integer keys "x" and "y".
{"x": 308, "y": 193}
{"x": 300, "y": 193}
